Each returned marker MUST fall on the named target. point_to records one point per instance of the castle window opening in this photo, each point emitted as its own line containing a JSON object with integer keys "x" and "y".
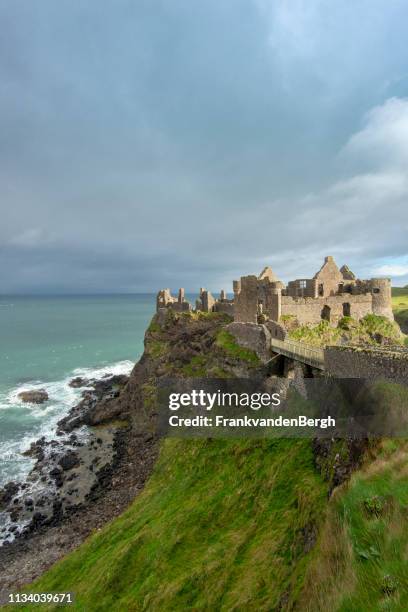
{"x": 346, "y": 309}
{"x": 326, "y": 313}
{"x": 321, "y": 290}
{"x": 376, "y": 290}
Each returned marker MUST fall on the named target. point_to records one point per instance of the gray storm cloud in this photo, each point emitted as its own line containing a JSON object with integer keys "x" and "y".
{"x": 170, "y": 143}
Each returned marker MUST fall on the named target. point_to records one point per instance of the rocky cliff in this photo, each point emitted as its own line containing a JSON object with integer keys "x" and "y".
{"x": 221, "y": 524}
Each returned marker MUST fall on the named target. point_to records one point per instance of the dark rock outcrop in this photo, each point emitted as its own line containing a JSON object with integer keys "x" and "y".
{"x": 37, "y": 396}
{"x": 78, "y": 382}
{"x": 69, "y": 461}
{"x": 7, "y": 494}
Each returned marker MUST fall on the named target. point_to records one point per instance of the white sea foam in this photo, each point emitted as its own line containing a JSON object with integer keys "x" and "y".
{"x": 43, "y": 418}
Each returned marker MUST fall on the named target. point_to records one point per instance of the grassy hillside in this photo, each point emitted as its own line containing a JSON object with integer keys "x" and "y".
{"x": 233, "y": 526}
{"x": 400, "y": 306}
{"x": 221, "y": 525}
{"x": 361, "y": 558}
{"x": 397, "y": 291}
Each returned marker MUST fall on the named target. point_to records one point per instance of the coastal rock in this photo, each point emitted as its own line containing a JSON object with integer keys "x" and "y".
{"x": 103, "y": 412}
{"x": 69, "y": 461}
{"x": 36, "y": 450}
{"x": 111, "y": 386}
{"x": 78, "y": 382}
{"x": 7, "y": 493}
{"x": 97, "y": 405}
{"x": 56, "y": 475}
{"x": 69, "y": 471}
{"x": 37, "y": 396}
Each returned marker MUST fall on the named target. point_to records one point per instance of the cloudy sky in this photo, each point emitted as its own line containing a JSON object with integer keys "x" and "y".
{"x": 151, "y": 143}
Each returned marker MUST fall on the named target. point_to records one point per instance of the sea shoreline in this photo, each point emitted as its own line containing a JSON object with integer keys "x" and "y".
{"x": 44, "y": 493}
{"x": 30, "y": 421}
{"x": 75, "y": 486}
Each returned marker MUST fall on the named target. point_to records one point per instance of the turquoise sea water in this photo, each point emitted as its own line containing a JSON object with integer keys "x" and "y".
{"x": 46, "y": 341}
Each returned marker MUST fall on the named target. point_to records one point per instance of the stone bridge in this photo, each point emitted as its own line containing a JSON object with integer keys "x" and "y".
{"x": 372, "y": 363}
{"x": 311, "y": 355}
{"x": 390, "y": 363}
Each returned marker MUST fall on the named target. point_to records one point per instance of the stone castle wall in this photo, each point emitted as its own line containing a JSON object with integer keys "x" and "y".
{"x": 276, "y": 330}
{"x": 225, "y": 306}
{"x": 329, "y": 278}
{"x": 246, "y": 300}
{"x": 164, "y": 299}
{"x": 344, "y": 362}
{"x": 311, "y": 310}
{"x": 330, "y": 295}
{"x": 306, "y": 287}
{"x": 381, "y": 292}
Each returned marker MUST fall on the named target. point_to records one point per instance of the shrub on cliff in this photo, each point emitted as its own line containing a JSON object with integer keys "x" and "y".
{"x": 380, "y": 329}
{"x": 317, "y": 335}
{"x": 372, "y": 329}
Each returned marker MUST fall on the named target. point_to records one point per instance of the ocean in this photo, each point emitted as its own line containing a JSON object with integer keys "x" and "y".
{"x": 47, "y": 341}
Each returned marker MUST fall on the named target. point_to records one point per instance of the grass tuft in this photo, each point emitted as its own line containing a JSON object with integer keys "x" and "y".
{"x": 372, "y": 329}
{"x": 361, "y": 557}
{"x": 227, "y": 343}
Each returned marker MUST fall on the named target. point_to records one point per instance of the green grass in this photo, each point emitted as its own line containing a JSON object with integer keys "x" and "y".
{"x": 227, "y": 343}
{"x": 400, "y": 308}
{"x": 287, "y": 317}
{"x": 154, "y": 326}
{"x": 398, "y": 291}
{"x": 158, "y": 348}
{"x": 203, "y": 366}
{"x": 361, "y": 558}
{"x": 197, "y": 367}
{"x": 200, "y": 315}
{"x": 317, "y": 335}
{"x": 368, "y": 330}
{"x": 374, "y": 324}
{"x": 400, "y": 302}
{"x": 221, "y": 525}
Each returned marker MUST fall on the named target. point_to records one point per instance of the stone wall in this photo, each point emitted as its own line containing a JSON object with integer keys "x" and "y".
{"x": 329, "y": 278}
{"x": 252, "y": 336}
{"x": 276, "y": 330}
{"x": 345, "y": 362}
{"x": 226, "y": 306}
{"x": 333, "y": 308}
{"x": 207, "y": 301}
{"x": 246, "y": 299}
{"x": 164, "y": 299}
{"x": 269, "y": 294}
{"x": 381, "y": 292}
{"x": 302, "y": 287}
{"x": 329, "y": 295}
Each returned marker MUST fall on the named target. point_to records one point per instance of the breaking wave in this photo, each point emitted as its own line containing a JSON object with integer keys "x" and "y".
{"x": 24, "y": 423}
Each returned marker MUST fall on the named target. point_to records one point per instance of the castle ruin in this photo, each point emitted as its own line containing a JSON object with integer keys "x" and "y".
{"x": 331, "y": 294}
